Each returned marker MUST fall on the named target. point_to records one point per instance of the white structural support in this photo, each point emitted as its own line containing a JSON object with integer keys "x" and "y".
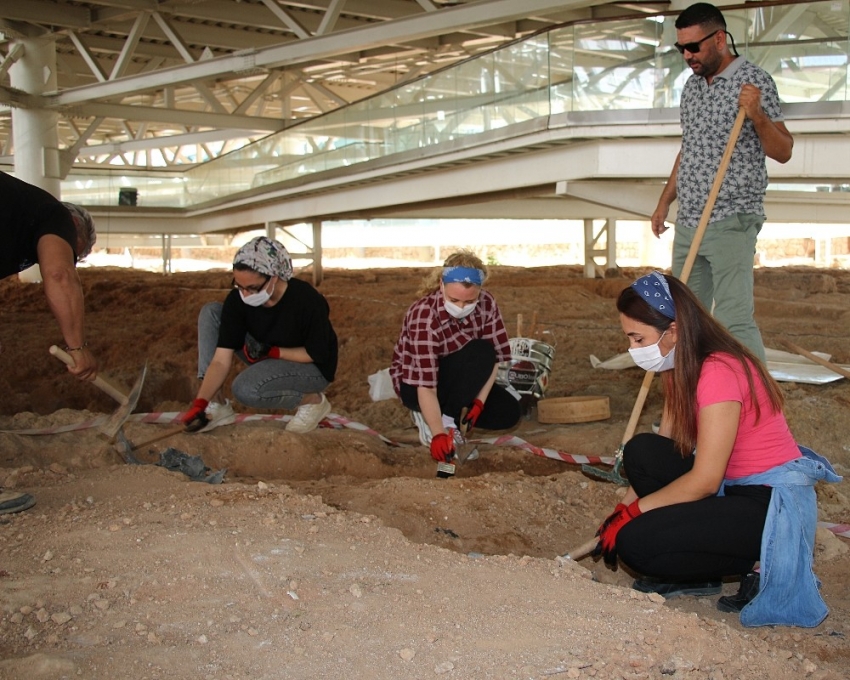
{"x": 592, "y": 269}
{"x": 291, "y": 240}
{"x": 166, "y": 254}
{"x": 318, "y": 273}
{"x": 35, "y": 135}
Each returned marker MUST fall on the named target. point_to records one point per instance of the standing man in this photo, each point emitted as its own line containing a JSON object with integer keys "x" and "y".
{"x": 38, "y": 229}
{"x": 722, "y": 83}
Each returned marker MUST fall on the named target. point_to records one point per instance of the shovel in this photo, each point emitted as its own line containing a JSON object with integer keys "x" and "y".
{"x": 614, "y": 475}
{"x": 114, "y": 427}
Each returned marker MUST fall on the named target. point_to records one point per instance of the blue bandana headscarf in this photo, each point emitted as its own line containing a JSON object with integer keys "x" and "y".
{"x": 265, "y": 256}
{"x": 654, "y": 290}
{"x": 463, "y": 275}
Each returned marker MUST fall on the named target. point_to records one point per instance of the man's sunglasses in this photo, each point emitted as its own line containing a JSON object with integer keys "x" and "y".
{"x": 694, "y": 47}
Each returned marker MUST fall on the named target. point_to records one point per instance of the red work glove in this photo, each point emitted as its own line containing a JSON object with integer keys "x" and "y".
{"x": 196, "y": 418}
{"x": 254, "y": 352}
{"x": 442, "y": 447}
{"x": 609, "y": 529}
{"x": 473, "y": 413}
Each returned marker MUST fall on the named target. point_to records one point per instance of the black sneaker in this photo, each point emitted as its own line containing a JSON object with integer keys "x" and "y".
{"x": 15, "y": 501}
{"x": 671, "y": 590}
{"x": 748, "y": 590}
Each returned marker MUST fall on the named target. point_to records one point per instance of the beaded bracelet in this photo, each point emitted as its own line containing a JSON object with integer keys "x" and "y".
{"x": 76, "y": 349}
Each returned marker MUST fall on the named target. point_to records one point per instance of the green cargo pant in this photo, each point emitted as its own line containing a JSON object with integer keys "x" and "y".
{"x": 722, "y": 274}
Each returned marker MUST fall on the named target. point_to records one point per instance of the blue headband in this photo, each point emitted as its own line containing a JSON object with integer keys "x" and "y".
{"x": 463, "y": 275}
{"x": 654, "y": 290}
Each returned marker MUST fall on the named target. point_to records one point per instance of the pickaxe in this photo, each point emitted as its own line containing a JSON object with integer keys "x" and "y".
{"x": 113, "y": 428}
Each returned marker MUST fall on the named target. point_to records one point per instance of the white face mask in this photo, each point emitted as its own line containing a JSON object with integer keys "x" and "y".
{"x": 257, "y": 299}
{"x": 459, "y": 312}
{"x": 650, "y": 358}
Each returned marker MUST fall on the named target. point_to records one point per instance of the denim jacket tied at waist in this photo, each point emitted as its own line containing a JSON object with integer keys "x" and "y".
{"x": 788, "y": 592}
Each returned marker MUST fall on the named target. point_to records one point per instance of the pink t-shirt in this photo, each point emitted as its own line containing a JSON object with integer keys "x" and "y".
{"x": 758, "y": 446}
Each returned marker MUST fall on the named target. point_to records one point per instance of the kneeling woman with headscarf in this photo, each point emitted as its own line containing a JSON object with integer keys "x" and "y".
{"x": 277, "y": 325}
{"x": 447, "y": 355}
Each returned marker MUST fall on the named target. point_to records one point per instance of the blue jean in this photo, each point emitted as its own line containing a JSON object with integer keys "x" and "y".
{"x": 271, "y": 383}
{"x": 723, "y": 273}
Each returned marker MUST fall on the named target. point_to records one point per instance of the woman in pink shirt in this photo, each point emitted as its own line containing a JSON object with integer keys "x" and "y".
{"x": 722, "y": 421}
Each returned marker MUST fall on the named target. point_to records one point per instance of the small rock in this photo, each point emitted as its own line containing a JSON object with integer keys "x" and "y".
{"x": 445, "y": 667}
{"x": 202, "y": 639}
{"x": 61, "y": 617}
{"x": 47, "y": 556}
{"x": 356, "y": 590}
{"x": 407, "y": 654}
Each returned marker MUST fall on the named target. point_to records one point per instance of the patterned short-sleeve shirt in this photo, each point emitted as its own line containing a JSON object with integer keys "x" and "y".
{"x": 429, "y": 333}
{"x": 707, "y": 114}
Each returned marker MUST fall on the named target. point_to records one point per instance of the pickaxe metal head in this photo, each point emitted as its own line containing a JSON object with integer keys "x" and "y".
{"x": 116, "y": 421}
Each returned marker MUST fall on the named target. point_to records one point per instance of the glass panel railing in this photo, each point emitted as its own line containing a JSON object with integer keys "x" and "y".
{"x": 803, "y": 46}
{"x": 604, "y": 65}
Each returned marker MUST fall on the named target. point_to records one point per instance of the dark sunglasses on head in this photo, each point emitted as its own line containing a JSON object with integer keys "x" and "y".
{"x": 694, "y": 47}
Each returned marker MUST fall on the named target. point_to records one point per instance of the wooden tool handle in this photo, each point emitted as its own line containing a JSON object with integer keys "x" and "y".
{"x": 100, "y": 381}
{"x": 638, "y": 407}
{"x": 583, "y": 549}
{"x": 814, "y": 357}
{"x": 158, "y": 437}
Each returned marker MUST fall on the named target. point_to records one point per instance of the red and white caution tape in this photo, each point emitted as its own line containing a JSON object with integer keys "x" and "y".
{"x": 837, "y": 529}
{"x": 332, "y": 421}
{"x": 518, "y": 443}
{"x": 58, "y": 429}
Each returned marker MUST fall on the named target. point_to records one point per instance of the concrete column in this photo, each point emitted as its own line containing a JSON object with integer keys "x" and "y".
{"x": 35, "y": 134}
{"x": 166, "y": 254}
{"x": 318, "y": 273}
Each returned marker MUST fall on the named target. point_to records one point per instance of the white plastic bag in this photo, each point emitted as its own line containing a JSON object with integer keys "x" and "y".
{"x": 381, "y": 386}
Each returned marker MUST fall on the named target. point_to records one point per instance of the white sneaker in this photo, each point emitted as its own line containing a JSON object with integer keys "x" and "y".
{"x": 425, "y": 435}
{"x": 424, "y": 431}
{"x": 308, "y": 416}
{"x": 219, "y": 414}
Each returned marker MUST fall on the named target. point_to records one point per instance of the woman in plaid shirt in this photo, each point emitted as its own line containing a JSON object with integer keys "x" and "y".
{"x": 447, "y": 356}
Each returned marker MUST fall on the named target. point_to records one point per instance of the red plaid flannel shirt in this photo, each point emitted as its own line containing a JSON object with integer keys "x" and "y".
{"x": 429, "y": 332}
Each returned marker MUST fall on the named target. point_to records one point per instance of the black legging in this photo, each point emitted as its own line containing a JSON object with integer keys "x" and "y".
{"x": 700, "y": 540}
{"x": 461, "y": 377}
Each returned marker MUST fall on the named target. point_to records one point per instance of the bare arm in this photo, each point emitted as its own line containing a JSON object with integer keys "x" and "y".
{"x": 668, "y": 195}
{"x": 216, "y": 373}
{"x": 775, "y": 139}
{"x": 65, "y": 298}
{"x": 718, "y": 428}
{"x": 485, "y": 391}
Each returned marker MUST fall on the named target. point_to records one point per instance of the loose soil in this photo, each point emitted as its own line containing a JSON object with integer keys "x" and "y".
{"x": 336, "y": 555}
